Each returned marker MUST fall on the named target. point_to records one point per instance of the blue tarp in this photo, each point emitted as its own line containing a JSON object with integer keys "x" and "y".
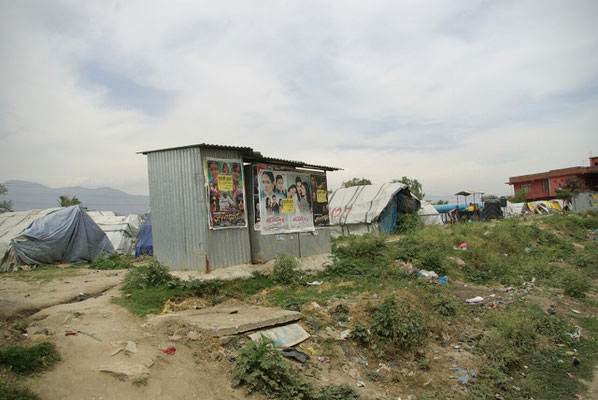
{"x": 68, "y": 235}
{"x": 145, "y": 244}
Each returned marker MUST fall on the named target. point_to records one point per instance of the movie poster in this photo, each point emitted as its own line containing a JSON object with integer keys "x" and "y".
{"x": 285, "y": 202}
{"x": 226, "y": 193}
{"x": 319, "y": 196}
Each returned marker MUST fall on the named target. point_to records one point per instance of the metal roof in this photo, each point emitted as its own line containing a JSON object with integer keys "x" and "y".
{"x": 248, "y": 154}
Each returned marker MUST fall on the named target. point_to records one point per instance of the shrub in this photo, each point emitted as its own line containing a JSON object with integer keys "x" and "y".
{"x": 285, "y": 269}
{"x": 152, "y": 275}
{"x": 576, "y": 285}
{"x": 26, "y": 360}
{"x": 408, "y": 223}
{"x": 397, "y": 325}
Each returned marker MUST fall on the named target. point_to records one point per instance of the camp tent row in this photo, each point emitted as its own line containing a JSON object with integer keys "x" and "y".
{"x": 63, "y": 235}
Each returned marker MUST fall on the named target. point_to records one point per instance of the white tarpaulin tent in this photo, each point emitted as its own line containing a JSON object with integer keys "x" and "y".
{"x": 367, "y": 208}
{"x": 122, "y": 231}
{"x": 428, "y": 215}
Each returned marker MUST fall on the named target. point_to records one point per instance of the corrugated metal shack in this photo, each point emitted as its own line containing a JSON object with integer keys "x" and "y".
{"x": 215, "y": 206}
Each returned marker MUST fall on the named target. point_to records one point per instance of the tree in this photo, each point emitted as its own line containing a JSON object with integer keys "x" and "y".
{"x": 519, "y": 197}
{"x": 414, "y": 186}
{"x": 5, "y": 205}
{"x": 64, "y": 201}
{"x": 441, "y": 202}
{"x": 573, "y": 186}
{"x": 356, "y": 182}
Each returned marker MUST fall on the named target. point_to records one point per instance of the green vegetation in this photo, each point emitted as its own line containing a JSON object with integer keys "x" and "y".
{"x": 47, "y": 273}
{"x": 65, "y": 201}
{"x": 356, "y": 182}
{"x": 285, "y": 269}
{"x": 519, "y": 349}
{"x": 12, "y": 390}
{"x": 414, "y": 186}
{"x": 115, "y": 261}
{"x": 5, "y": 205}
{"x": 259, "y": 367}
{"x": 26, "y": 360}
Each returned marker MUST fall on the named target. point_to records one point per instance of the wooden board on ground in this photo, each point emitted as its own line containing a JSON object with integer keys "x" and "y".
{"x": 283, "y": 336}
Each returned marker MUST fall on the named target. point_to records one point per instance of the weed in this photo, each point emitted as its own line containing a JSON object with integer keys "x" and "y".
{"x": 372, "y": 375}
{"x": 113, "y": 262}
{"x": 340, "y": 392}
{"x": 14, "y": 391}
{"x": 397, "y": 325}
{"x": 285, "y": 269}
{"x": 361, "y": 334}
{"x": 423, "y": 363}
{"x": 445, "y": 307}
{"x": 141, "y": 381}
{"x": 576, "y": 285}
{"x": 26, "y": 360}
{"x": 261, "y": 368}
{"x": 408, "y": 223}
{"x": 152, "y": 275}
{"x": 340, "y": 313}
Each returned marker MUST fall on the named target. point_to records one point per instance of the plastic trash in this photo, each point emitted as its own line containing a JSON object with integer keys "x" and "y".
{"x": 314, "y": 283}
{"x": 442, "y": 280}
{"x": 298, "y": 355}
{"x": 463, "y": 246}
{"x": 474, "y": 300}
{"x": 427, "y": 274}
{"x": 170, "y": 351}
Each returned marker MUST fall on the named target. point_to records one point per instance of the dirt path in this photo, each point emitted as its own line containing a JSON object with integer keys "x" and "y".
{"x": 197, "y": 370}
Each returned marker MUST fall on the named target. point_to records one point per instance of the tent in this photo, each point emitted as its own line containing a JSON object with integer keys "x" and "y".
{"x": 145, "y": 244}
{"x": 62, "y": 235}
{"x": 369, "y": 208}
{"x": 428, "y": 215}
{"x": 122, "y": 231}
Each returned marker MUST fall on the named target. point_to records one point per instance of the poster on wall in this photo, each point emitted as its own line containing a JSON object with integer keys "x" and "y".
{"x": 319, "y": 196}
{"x": 285, "y": 202}
{"x": 226, "y": 193}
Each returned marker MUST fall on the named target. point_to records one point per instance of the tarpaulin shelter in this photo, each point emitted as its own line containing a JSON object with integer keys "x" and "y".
{"x": 369, "y": 208}
{"x": 145, "y": 244}
{"x": 428, "y": 215}
{"x": 122, "y": 231}
{"x": 64, "y": 235}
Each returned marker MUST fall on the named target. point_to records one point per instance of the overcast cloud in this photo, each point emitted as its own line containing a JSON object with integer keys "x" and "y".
{"x": 456, "y": 94}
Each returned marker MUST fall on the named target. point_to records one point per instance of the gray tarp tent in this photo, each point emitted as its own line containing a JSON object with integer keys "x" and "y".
{"x": 67, "y": 235}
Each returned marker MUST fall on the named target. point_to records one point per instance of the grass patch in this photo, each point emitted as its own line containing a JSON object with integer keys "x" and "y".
{"x": 12, "y": 390}
{"x": 27, "y": 360}
{"x": 47, "y": 273}
{"x": 115, "y": 261}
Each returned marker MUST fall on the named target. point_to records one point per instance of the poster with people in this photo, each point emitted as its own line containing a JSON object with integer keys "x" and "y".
{"x": 319, "y": 196}
{"x": 226, "y": 192}
{"x": 285, "y": 202}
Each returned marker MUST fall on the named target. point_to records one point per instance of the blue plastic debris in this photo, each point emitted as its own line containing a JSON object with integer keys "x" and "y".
{"x": 442, "y": 280}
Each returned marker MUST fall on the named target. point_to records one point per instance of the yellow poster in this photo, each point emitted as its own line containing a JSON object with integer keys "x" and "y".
{"x": 321, "y": 196}
{"x": 288, "y": 206}
{"x": 225, "y": 183}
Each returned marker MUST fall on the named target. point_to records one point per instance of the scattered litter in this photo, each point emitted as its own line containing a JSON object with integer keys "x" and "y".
{"x": 308, "y": 349}
{"x": 298, "y": 355}
{"x": 361, "y": 360}
{"x": 90, "y": 335}
{"x": 463, "y": 246}
{"x": 70, "y": 333}
{"x": 170, "y": 351}
{"x": 283, "y": 336}
{"x": 474, "y": 300}
{"x": 576, "y": 361}
{"x": 576, "y": 335}
{"x": 314, "y": 283}
{"x": 472, "y": 373}
{"x": 360, "y": 384}
{"x": 575, "y": 311}
{"x": 323, "y": 359}
{"x": 528, "y": 250}
{"x": 427, "y": 274}
{"x": 463, "y": 375}
{"x": 442, "y": 280}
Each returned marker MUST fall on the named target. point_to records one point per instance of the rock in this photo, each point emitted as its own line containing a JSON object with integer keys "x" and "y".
{"x": 175, "y": 338}
{"x": 120, "y": 369}
{"x": 192, "y": 335}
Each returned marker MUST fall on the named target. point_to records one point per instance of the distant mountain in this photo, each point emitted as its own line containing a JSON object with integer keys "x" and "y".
{"x": 30, "y": 195}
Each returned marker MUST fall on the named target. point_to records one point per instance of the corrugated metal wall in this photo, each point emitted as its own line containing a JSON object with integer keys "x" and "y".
{"x": 182, "y": 239}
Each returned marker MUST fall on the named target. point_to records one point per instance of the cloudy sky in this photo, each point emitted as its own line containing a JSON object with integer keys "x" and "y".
{"x": 458, "y": 94}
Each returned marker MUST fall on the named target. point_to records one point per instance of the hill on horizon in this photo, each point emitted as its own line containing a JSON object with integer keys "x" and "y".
{"x": 27, "y": 195}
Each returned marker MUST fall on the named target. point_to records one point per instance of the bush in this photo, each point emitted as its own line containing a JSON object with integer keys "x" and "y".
{"x": 285, "y": 269}
{"x": 152, "y": 275}
{"x": 26, "y": 360}
{"x": 113, "y": 262}
{"x": 261, "y": 368}
{"x": 408, "y": 223}
{"x": 360, "y": 255}
{"x": 576, "y": 285}
{"x": 13, "y": 391}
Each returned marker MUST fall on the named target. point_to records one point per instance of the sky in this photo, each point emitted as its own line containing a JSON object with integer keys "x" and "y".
{"x": 457, "y": 94}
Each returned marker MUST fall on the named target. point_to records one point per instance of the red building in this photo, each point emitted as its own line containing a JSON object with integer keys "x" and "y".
{"x": 542, "y": 186}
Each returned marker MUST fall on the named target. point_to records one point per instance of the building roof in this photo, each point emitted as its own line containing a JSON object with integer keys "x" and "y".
{"x": 249, "y": 155}
{"x": 554, "y": 173}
